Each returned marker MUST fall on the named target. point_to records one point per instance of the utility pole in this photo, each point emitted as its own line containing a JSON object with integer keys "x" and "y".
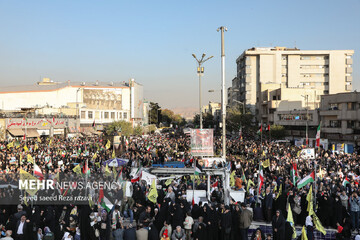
{"x": 200, "y": 72}
{"x": 223, "y": 112}
{"x": 223, "y": 92}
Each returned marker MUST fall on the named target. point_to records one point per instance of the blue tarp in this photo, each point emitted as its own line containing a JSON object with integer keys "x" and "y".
{"x": 170, "y": 165}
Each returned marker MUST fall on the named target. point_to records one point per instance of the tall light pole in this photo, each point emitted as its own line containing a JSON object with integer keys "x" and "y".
{"x": 223, "y": 92}
{"x": 200, "y": 72}
{"x": 307, "y": 117}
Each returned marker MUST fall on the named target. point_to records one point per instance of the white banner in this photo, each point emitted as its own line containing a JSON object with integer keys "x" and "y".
{"x": 308, "y": 153}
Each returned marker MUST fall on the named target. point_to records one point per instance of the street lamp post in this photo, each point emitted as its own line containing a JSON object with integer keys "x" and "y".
{"x": 77, "y": 111}
{"x": 200, "y": 72}
{"x": 223, "y": 92}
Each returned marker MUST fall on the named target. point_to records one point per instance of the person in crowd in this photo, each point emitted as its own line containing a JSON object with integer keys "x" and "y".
{"x": 226, "y": 224}
{"x": 142, "y": 233}
{"x": 178, "y": 234}
{"x": 309, "y": 228}
{"x": 8, "y": 234}
{"x": 278, "y": 226}
{"x": 246, "y": 218}
{"x": 258, "y": 235}
{"x": 188, "y": 224}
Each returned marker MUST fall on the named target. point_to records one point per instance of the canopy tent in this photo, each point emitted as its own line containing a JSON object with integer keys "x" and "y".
{"x": 16, "y": 132}
{"x": 32, "y": 132}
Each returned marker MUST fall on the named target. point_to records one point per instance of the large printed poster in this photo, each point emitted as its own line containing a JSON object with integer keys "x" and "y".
{"x": 202, "y": 143}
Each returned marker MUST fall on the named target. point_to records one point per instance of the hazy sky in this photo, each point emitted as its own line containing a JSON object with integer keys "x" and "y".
{"x": 152, "y": 41}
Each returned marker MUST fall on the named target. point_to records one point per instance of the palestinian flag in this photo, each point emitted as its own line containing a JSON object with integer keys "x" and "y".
{"x": 346, "y": 181}
{"x": 137, "y": 175}
{"x": 260, "y": 130}
{"x": 86, "y": 169}
{"x": 148, "y": 148}
{"x": 294, "y": 174}
{"x": 104, "y": 201}
{"x": 308, "y": 179}
{"x": 198, "y": 169}
{"x": 318, "y": 136}
{"x": 37, "y": 172}
{"x": 268, "y": 128}
{"x": 261, "y": 178}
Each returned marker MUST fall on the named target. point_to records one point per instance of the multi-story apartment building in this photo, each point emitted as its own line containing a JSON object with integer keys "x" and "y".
{"x": 340, "y": 117}
{"x": 271, "y": 80}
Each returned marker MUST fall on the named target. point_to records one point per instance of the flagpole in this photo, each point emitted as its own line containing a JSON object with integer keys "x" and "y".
{"x": 261, "y": 134}
{"x": 194, "y": 181}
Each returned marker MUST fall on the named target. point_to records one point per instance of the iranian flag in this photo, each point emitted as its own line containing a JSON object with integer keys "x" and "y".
{"x": 318, "y": 136}
{"x": 126, "y": 142}
{"x": 37, "y": 172}
{"x": 261, "y": 178}
{"x": 137, "y": 175}
{"x": 148, "y": 148}
{"x": 308, "y": 179}
{"x": 294, "y": 174}
{"x": 346, "y": 181}
{"x": 104, "y": 201}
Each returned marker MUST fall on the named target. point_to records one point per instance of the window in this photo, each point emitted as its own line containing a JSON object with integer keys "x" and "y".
{"x": 350, "y": 124}
{"x": 112, "y": 115}
{"x": 284, "y": 57}
{"x": 326, "y": 92}
{"x": 106, "y": 115}
{"x": 351, "y": 106}
{"x": 335, "y": 124}
{"x": 333, "y": 106}
{"x": 83, "y": 114}
{"x": 90, "y": 114}
{"x": 125, "y": 115}
{"x": 274, "y": 97}
{"x": 305, "y": 58}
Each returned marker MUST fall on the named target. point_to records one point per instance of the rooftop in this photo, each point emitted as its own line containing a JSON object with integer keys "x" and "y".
{"x": 47, "y": 85}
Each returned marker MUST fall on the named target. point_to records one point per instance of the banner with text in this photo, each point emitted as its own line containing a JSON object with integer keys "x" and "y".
{"x": 202, "y": 142}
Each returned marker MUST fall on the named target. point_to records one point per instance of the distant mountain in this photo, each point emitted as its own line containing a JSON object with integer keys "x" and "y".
{"x": 187, "y": 112}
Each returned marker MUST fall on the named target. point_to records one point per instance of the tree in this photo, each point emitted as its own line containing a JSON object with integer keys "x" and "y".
{"x": 119, "y": 126}
{"x": 235, "y": 118}
{"x": 138, "y": 131}
{"x": 277, "y": 131}
{"x": 154, "y": 113}
{"x": 208, "y": 120}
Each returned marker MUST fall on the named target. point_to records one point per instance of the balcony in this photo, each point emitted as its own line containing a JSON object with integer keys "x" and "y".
{"x": 349, "y": 70}
{"x": 348, "y": 87}
{"x": 329, "y": 112}
{"x": 331, "y": 130}
{"x": 349, "y": 78}
{"x": 349, "y": 61}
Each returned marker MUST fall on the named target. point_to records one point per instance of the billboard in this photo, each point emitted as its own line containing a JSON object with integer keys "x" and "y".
{"x": 202, "y": 142}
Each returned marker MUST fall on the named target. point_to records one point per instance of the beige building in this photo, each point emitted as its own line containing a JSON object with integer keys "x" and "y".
{"x": 91, "y": 102}
{"x": 340, "y": 117}
{"x": 284, "y": 79}
{"x": 214, "y": 108}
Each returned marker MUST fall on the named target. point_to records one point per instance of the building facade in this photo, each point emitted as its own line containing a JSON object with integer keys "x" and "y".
{"x": 278, "y": 79}
{"x": 340, "y": 117}
{"x": 92, "y": 102}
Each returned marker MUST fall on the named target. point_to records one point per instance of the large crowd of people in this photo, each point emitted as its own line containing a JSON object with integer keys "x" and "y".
{"x": 263, "y": 171}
